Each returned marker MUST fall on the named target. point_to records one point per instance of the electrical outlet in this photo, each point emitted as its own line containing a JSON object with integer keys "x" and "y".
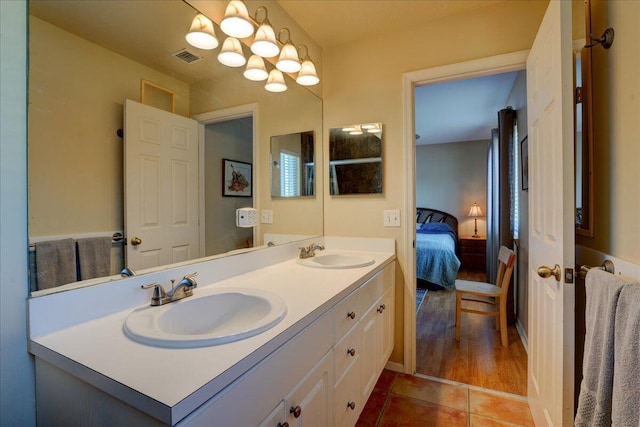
{"x": 391, "y": 218}
{"x": 267, "y": 216}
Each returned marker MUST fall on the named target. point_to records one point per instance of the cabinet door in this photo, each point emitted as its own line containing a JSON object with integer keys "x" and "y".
{"x": 309, "y": 404}
{"x": 386, "y": 327}
{"x": 370, "y": 350}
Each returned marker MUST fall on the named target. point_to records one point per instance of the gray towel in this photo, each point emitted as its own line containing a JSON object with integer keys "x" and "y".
{"x": 594, "y": 404}
{"x": 94, "y": 257}
{"x": 626, "y": 376}
{"x": 55, "y": 263}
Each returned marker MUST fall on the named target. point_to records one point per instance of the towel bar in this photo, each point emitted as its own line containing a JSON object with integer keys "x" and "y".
{"x": 116, "y": 239}
{"x": 607, "y": 266}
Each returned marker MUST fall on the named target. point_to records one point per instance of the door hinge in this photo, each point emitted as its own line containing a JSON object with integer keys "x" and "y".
{"x": 578, "y": 95}
{"x": 568, "y": 275}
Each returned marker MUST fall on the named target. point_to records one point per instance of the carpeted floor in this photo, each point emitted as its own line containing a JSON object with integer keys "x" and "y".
{"x": 420, "y": 294}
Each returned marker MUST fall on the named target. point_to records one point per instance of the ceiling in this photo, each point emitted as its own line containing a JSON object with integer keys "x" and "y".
{"x": 457, "y": 111}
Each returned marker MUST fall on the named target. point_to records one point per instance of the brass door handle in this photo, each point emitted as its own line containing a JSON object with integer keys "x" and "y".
{"x": 546, "y": 272}
{"x": 136, "y": 241}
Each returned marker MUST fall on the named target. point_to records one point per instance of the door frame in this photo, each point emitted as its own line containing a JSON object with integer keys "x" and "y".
{"x": 217, "y": 116}
{"x": 514, "y": 61}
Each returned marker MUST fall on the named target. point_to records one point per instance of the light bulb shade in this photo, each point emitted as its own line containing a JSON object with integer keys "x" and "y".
{"x": 201, "y": 34}
{"x": 236, "y": 22}
{"x": 264, "y": 43}
{"x": 475, "y": 211}
{"x": 288, "y": 61}
{"x": 231, "y": 53}
{"x": 275, "y": 82}
{"x": 256, "y": 70}
{"x": 307, "y": 75}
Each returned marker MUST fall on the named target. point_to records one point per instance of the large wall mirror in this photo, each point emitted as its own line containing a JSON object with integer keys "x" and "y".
{"x": 292, "y": 165}
{"x": 355, "y": 159}
{"x": 86, "y": 59}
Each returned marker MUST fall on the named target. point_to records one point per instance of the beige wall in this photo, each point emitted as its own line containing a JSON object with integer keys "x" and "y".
{"x": 452, "y": 177}
{"x": 76, "y": 93}
{"x": 363, "y": 83}
{"x": 616, "y": 130}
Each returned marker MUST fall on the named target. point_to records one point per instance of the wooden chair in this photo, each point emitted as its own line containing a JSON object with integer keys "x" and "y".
{"x": 493, "y": 295}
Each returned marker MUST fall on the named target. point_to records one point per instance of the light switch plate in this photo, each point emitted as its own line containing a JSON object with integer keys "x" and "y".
{"x": 391, "y": 218}
{"x": 267, "y": 216}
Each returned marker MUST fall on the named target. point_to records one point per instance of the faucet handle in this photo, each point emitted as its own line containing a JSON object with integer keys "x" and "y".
{"x": 158, "y": 296}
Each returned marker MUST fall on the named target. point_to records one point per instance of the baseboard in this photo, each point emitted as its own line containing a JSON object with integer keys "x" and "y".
{"x": 523, "y": 335}
{"x": 394, "y": 366}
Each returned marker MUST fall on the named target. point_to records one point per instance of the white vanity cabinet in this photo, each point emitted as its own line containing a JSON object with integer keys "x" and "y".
{"x": 322, "y": 376}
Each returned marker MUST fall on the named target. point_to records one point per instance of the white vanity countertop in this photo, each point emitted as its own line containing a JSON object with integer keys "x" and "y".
{"x": 170, "y": 383}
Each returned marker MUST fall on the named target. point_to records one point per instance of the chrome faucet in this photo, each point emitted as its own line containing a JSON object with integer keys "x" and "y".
{"x": 128, "y": 272}
{"x": 183, "y": 289}
{"x": 310, "y": 251}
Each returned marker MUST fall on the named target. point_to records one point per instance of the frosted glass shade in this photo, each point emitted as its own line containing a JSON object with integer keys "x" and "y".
{"x": 275, "y": 82}
{"x": 201, "y": 34}
{"x": 236, "y": 21}
{"x": 288, "y": 61}
{"x": 231, "y": 54}
{"x": 307, "y": 75}
{"x": 256, "y": 70}
{"x": 264, "y": 43}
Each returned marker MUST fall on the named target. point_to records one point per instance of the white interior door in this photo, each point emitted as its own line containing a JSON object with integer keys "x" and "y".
{"x": 161, "y": 187}
{"x": 551, "y": 219}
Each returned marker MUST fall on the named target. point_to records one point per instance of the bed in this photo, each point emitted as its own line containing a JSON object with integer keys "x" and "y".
{"x": 437, "y": 249}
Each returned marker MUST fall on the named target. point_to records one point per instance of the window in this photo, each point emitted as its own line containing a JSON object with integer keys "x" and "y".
{"x": 289, "y": 174}
{"x": 515, "y": 183}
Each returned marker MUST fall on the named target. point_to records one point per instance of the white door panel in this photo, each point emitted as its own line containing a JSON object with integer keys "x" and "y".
{"x": 161, "y": 186}
{"x": 551, "y": 216}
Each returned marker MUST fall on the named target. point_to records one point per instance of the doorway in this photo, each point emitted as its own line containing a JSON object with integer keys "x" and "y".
{"x": 471, "y": 69}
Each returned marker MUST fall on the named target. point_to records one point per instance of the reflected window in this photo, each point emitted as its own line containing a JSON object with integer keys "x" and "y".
{"x": 289, "y": 174}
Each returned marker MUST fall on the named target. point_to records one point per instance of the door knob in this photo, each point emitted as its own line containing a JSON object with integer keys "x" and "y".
{"x": 545, "y": 272}
{"x": 136, "y": 241}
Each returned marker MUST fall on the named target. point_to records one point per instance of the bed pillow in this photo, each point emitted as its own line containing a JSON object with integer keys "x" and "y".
{"x": 435, "y": 228}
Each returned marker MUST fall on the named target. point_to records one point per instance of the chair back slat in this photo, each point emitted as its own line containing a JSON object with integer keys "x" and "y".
{"x": 507, "y": 262}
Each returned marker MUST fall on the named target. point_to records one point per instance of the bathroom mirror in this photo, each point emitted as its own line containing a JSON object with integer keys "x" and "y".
{"x": 355, "y": 159}
{"x": 86, "y": 58}
{"x": 584, "y": 134}
{"x": 292, "y": 165}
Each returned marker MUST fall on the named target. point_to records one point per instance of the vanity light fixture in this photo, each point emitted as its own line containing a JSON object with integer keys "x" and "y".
{"x": 256, "y": 70}
{"x": 236, "y": 22}
{"x": 348, "y": 129}
{"x": 288, "y": 62}
{"x": 201, "y": 34}
{"x": 372, "y": 128}
{"x": 307, "y": 75}
{"x": 356, "y": 131}
{"x": 265, "y": 43}
{"x": 275, "y": 82}
{"x": 231, "y": 53}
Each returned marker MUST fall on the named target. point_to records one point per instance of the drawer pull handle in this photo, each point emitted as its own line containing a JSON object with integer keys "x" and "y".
{"x": 296, "y": 411}
{"x": 351, "y": 405}
{"x": 284, "y": 424}
{"x": 352, "y": 352}
{"x": 381, "y": 308}
{"x": 351, "y": 314}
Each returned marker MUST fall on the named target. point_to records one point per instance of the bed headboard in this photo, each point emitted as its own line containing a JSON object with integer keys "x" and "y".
{"x": 433, "y": 215}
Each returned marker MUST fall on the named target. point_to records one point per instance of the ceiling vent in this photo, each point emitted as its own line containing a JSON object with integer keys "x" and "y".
{"x": 187, "y": 56}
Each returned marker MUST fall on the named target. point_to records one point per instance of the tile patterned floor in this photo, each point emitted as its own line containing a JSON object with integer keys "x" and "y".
{"x": 408, "y": 400}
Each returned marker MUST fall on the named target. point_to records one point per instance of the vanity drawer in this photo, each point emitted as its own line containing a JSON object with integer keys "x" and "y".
{"x": 347, "y": 313}
{"x": 347, "y": 398}
{"x": 375, "y": 287}
{"x": 347, "y": 352}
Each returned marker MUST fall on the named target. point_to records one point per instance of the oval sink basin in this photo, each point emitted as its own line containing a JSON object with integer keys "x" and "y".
{"x": 336, "y": 260}
{"x": 225, "y": 316}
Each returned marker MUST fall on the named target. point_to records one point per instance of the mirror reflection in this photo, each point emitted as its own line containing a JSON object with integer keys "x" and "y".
{"x": 86, "y": 59}
{"x": 355, "y": 159}
{"x": 292, "y": 165}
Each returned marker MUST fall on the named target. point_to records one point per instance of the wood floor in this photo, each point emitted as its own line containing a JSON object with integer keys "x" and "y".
{"x": 479, "y": 358}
